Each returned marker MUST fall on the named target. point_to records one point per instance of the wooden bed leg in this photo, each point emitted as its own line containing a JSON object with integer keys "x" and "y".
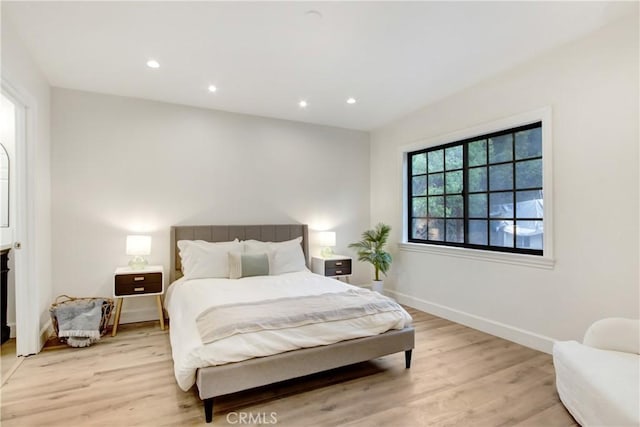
{"x": 407, "y": 358}
{"x": 208, "y": 409}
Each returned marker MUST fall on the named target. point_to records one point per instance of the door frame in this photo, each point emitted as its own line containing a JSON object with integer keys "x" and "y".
{"x": 26, "y": 289}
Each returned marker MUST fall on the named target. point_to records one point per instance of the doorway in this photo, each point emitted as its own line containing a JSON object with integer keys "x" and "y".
{"x": 8, "y": 121}
{"x": 18, "y": 109}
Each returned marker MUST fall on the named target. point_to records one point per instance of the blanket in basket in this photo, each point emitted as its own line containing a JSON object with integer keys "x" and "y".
{"x": 79, "y": 321}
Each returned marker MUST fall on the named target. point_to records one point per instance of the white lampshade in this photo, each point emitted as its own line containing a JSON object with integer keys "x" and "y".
{"x": 327, "y": 238}
{"x": 138, "y": 245}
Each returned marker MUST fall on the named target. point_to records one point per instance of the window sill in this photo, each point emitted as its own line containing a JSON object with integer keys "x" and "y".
{"x": 480, "y": 255}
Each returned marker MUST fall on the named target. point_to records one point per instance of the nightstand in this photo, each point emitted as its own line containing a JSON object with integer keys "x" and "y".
{"x": 334, "y": 266}
{"x": 130, "y": 283}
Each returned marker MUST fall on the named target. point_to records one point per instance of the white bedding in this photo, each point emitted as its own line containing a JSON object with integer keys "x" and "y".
{"x": 186, "y": 299}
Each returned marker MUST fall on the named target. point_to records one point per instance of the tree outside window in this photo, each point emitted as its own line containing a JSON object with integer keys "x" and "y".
{"x": 484, "y": 192}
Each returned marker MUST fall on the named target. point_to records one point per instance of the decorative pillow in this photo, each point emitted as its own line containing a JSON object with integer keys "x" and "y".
{"x": 202, "y": 259}
{"x": 247, "y": 265}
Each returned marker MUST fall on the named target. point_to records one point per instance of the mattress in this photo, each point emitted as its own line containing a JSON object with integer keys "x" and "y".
{"x": 186, "y": 299}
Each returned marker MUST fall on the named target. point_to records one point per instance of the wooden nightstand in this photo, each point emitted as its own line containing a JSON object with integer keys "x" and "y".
{"x": 134, "y": 283}
{"x": 334, "y": 266}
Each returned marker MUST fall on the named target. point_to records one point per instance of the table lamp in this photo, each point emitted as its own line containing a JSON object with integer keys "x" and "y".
{"x": 327, "y": 240}
{"x": 138, "y": 246}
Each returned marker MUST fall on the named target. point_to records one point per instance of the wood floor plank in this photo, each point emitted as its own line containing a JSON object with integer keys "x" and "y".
{"x": 8, "y": 358}
{"x": 554, "y": 416}
{"x": 459, "y": 376}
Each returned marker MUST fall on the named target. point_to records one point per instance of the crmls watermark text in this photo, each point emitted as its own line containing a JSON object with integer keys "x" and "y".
{"x": 251, "y": 418}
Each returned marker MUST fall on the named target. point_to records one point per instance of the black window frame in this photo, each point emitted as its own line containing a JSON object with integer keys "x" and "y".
{"x": 466, "y": 192}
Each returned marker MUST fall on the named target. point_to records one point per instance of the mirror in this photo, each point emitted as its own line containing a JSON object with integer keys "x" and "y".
{"x": 4, "y": 187}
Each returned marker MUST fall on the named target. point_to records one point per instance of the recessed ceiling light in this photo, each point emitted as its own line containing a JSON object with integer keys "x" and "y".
{"x": 152, "y": 63}
{"x": 351, "y": 100}
{"x": 303, "y": 104}
{"x": 212, "y": 88}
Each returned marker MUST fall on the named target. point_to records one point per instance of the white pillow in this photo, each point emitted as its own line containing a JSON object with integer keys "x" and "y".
{"x": 202, "y": 259}
{"x": 284, "y": 257}
{"x": 253, "y": 246}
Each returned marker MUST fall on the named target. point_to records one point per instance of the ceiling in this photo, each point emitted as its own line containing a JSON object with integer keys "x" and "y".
{"x": 392, "y": 57}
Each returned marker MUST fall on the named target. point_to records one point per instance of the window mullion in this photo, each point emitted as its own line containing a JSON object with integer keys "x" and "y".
{"x": 486, "y": 148}
{"x": 465, "y": 191}
{"x": 444, "y": 195}
{"x": 410, "y": 195}
{"x": 513, "y": 186}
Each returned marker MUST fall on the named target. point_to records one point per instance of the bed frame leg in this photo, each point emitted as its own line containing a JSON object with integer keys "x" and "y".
{"x": 407, "y": 358}
{"x": 208, "y": 409}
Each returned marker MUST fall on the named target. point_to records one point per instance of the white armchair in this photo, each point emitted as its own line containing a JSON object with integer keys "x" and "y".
{"x": 599, "y": 381}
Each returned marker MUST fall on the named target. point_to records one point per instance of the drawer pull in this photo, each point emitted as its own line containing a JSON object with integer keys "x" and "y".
{"x": 141, "y": 289}
{"x": 338, "y": 271}
{"x": 338, "y": 263}
{"x": 138, "y": 278}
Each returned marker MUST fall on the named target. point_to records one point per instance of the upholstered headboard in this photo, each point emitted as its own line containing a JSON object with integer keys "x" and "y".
{"x": 225, "y": 233}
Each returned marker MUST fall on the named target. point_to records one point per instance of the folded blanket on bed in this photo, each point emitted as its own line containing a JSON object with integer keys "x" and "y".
{"x": 79, "y": 321}
{"x": 226, "y": 320}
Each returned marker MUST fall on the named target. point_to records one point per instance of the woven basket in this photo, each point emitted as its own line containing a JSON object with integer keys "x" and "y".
{"x": 107, "y": 308}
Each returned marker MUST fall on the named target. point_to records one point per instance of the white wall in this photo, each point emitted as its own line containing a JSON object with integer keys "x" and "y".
{"x": 121, "y": 165}
{"x": 592, "y": 87}
{"x": 19, "y": 69}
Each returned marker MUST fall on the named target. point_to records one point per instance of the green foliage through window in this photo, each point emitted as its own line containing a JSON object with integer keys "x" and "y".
{"x": 484, "y": 192}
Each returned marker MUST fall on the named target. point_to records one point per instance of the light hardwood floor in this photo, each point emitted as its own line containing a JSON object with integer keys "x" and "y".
{"x": 8, "y": 358}
{"x": 459, "y": 376}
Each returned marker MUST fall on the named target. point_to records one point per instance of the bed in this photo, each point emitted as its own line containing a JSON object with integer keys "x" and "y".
{"x": 217, "y": 375}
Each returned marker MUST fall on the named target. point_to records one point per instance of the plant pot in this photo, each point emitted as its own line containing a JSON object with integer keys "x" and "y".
{"x": 377, "y": 286}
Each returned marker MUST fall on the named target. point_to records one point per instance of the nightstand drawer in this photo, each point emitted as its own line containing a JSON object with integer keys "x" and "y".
{"x": 337, "y": 264}
{"x": 340, "y": 271}
{"x": 143, "y": 283}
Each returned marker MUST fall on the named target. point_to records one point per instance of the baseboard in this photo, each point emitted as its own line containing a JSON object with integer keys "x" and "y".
{"x": 139, "y": 315}
{"x": 45, "y": 332}
{"x": 511, "y": 333}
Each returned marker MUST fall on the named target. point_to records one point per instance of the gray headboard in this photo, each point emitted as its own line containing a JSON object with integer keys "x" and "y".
{"x": 225, "y": 233}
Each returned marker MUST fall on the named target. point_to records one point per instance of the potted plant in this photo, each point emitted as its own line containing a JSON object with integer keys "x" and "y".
{"x": 371, "y": 249}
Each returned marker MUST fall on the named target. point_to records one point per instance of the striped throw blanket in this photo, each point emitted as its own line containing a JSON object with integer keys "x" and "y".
{"x": 224, "y": 321}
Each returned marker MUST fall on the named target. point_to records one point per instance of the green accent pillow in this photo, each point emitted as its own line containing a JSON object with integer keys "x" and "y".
{"x": 247, "y": 265}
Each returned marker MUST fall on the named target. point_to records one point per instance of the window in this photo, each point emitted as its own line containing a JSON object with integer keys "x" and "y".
{"x": 484, "y": 192}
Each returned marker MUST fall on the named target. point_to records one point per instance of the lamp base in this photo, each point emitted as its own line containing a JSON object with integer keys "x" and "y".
{"x": 326, "y": 252}
{"x": 138, "y": 262}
